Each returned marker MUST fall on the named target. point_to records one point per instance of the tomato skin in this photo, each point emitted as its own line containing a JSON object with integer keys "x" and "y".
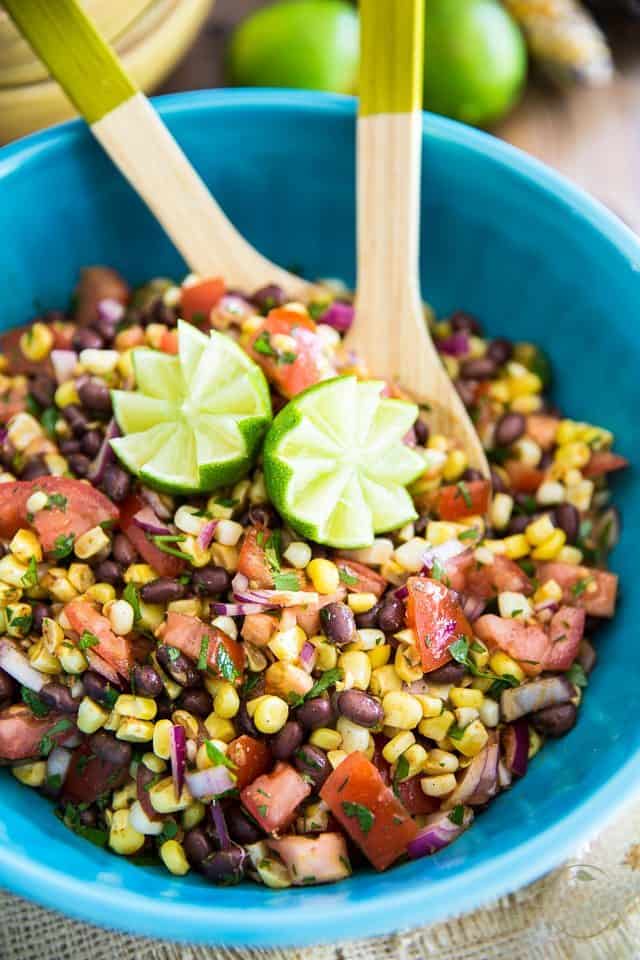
{"x": 528, "y": 645}
{"x": 600, "y": 602}
{"x": 198, "y": 299}
{"x": 414, "y": 799}
{"x": 187, "y": 633}
{"x": 252, "y": 758}
{"x": 490, "y": 579}
{"x": 309, "y": 365}
{"x": 252, "y": 561}
{"x": 434, "y": 615}
{"x": 273, "y": 799}
{"x": 543, "y": 429}
{"x": 115, "y": 650}
{"x": 164, "y": 564}
{"x": 452, "y": 504}
{"x": 21, "y": 732}
{"x": 565, "y": 634}
{"x": 356, "y": 780}
{"x": 323, "y": 856}
{"x": 367, "y": 580}
{"x": 169, "y": 342}
{"x": 604, "y": 461}
{"x": 90, "y": 775}
{"x": 523, "y": 479}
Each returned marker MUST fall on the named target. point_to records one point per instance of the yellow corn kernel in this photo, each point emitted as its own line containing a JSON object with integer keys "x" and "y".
{"x": 539, "y": 530}
{"x": 125, "y": 796}
{"x": 451, "y": 365}
{"x": 550, "y": 493}
{"x": 529, "y": 403}
{"x": 190, "y": 606}
{"x": 500, "y": 510}
{"x": 42, "y": 660}
{"x": 535, "y": 742}
{"x": 394, "y": 748}
{"x": 174, "y": 858}
{"x": 549, "y": 549}
{"x": 438, "y": 441}
{"x": 12, "y": 571}
{"x": 325, "y": 738}
{"x": 438, "y": 786}
{"x": 162, "y": 739}
{"x": 570, "y": 555}
{"x": 512, "y": 605}
{"x": 188, "y": 722}
{"x": 436, "y": 728}
{"x": 153, "y": 763}
{"x": 140, "y": 708}
{"x": 401, "y": 710}
{"x": 580, "y": 494}
{"x": 124, "y": 365}
{"x": 23, "y": 429}
{"x": 516, "y": 546}
{"x": 503, "y": 665}
{"x": 80, "y": 576}
{"x": 439, "y": 531}
{"x": 527, "y": 451}
{"x": 576, "y": 455}
{"x": 203, "y": 760}
{"x": 326, "y": 653}
{"x": 335, "y": 757}
{"x": 473, "y": 739}
{"x": 121, "y": 617}
{"x": 408, "y": 664}
{"x": 440, "y": 761}
{"x": 550, "y": 591}
{"x": 220, "y": 729}
{"x": 431, "y": 706}
{"x": 25, "y": 545}
{"x": 162, "y": 797}
{"x": 499, "y": 390}
{"x": 356, "y": 668}
{"x": 72, "y": 660}
{"x": 227, "y": 625}
{"x": 123, "y": 839}
{"x": 66, "y": 394}
{"x": 135, "y": 731}
{"x": 101, "y": 592}
{"x": 442, "y": 329}
{"x": 567, "y": 432}
{"x": 36, "y": 342}
{"x": 495, "y": 546}
{"x": 379, "y": 656}
{"x": 37, "y": 501}
{"x": 466, "y": 697}
{"x": 91, "y": 716}
{"x": 270, "y": 714}
{"x": 407, "y": 636}
{"x": 31, "y": 774}
{"x": 151, "y": 616}
{"x": 354, "y": 737}
{"x": 139, "y": 573}
{"x": 479, "y": 654}
{"x": 362, "y": 602}
{"x": 324, "y": 575}
{"x": 18, "y": 618}
{"x": 466, "y": 715}
{"x": 416, "y": 757}
{"x": 490, "y": 712}
{"x": 226, "y": 701}
{"x": 455, "y": 465}
{"x": 523, "y": 382}
{"x": 287, "y": 644}
{"x": 483, "y": 556}
{"x": 193, "y": 815}
{"x": 384, "y": 680}
{"x": 60, "y": 587}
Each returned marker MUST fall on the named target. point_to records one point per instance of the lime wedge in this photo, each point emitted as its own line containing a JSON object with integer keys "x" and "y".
{"x": 335, "y": 463}
{"x": 196, "y": 420}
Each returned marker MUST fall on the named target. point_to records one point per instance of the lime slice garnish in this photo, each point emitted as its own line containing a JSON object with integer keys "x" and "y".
{"x": 196, "y": 420}
{"x": 335, "y": 463}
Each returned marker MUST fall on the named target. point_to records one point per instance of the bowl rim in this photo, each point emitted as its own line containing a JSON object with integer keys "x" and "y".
{"x": 376, "y": 913}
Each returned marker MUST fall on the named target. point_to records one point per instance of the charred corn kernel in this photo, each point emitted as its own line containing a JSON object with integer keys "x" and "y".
{"x": 61, "y": 588}
{"x": 394, "y": 748}
{"x": 503, "y": 665}
{"x": 135, "y": 731}
{"x": 539, "y": 530}
{"x": 384, "y": 680}
{"x": 220, "y": 729}
{"x": 354, "y": 737}
{"x": 121, "y": 617}
{"x": 535, "y": 742}
{"x": 439, "y": 762}
{"x": 139, "y": 573}
{"x": 570, "y": 555}
{"x": 439, "y": 531}
{"x": 18, "y": 620}
{"x": 327, "y": 656}
{"x": 193, "y": 815}
{"x": 123, "y": 839}
{"x": 580, "y": 494}
{"x": 162, "y": 739}
{"x": 455, "y": 465}
{"x": 36, "y": 342}
{"x": 81, "y": 576}
{"x": 495, "y": 546}
{"x": 401, "y": 710}
{"x": 12, "y": 571}
{"x": 324, "y": 575}
{"x": 416, "y": 757}
{"x": 66, "y": 394}
{"x": 31, "y": 774}
{"x": 228, "y": 532}
{"x": 287, "y": 644}
{"x": 189, "y": 723}
{"x": 527, "y": 451}
{"x": 174, "y": 858}
{"x": 431, "y": 706}
{"x": 25, "y": 545}
{"x": 335, "y": 757}
{"x": 500, "y": 510}
{"x": 549, "y": 548}
{"x": 379, "y": 656}
{"x": 91, "y": 716}
{"x": 410, "y": 556}
{"x": 549, "y": 592}
{"x": 283, "y": 678}
{"x": 226, "y": 702}
{"x": 101, "y": 592}
{"x": 490, "y": 712}
{"x": 362, "y": 602}
{"x": 514, "y": 605}
{"x": 466, "y": 715}
{"x": 298, "y": 554}
{"x": 436, "y": 728}
{"x": 466, "y": 697}
{"x": 473, "y": 739}
{"x": 408, "y": 664}
{"x": 23, "y": 429}
{"x": 153, "y": 763}
{"x": 271, "y": 714}
{"x": 516, "y": 546}
{"x": 326, "y": 738}
{"x": 125, "y": 796}
{"x": 356, "y": 669}
{"x": 42, "y": 660}
{"x": 140, "y": 708}
{"x": 438, "y": 786}
{"x": 90, "y": 543}
{"x": 550, "y": 493}
{"x": 72, "y": 660}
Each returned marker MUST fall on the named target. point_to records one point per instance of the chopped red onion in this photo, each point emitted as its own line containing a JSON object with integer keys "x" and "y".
{"x": 206, "y": 534}
{"x": 339, "y": 316}
{"x": 442, "y": 553}
{"x": 472, "y": 607}
{"x": 239, "y": 609}
{"x": 58, "y": 763}
{"x": 402, "y": 592}
{"x": 220, "y": 826}
{"x": 147, "y": 521}
{"x": 211, "y": 782}
{"x": 517, "y": 702}
{"x": 456, "y": 345}
{"x": 439, "y": 832}
{"x": 14, "y": 662}
{"x": 515, "y": 740}
{"x": 63, "y": 363}
{"x": 278, "y": 598}
{"x": 308, "y": 656}
{"x": 105, "y": 454}
{"x": 178, "y": 749}
{"x": 109, "y": 310}
{"x": 479, "y": 781}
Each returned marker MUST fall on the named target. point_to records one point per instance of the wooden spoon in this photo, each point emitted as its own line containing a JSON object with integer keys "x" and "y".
{"x": 390, "y": 332}
{"x": 131, "y": 132}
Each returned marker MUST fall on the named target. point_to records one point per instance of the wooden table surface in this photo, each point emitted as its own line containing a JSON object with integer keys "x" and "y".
{"x": 591, "y": 136}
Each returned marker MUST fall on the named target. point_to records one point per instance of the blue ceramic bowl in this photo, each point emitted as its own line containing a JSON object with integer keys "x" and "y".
{"x": 503, "y": 237}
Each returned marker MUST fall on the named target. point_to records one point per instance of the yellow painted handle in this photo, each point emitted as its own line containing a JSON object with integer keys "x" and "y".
{"x": 391, "y": 56}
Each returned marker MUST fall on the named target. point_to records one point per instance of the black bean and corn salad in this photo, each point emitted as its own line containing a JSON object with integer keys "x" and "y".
{"x": 281, "y": 646}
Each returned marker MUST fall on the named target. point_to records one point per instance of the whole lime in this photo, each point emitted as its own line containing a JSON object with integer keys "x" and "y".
{"x": 475, "y": 60}
{"x": 313, "y": 44}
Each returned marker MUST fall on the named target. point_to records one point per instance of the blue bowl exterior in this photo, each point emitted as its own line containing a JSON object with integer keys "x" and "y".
{"x": 503, "y": 237}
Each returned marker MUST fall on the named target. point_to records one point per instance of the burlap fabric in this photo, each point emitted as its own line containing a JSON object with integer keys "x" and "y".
{"x": 589, "y": 910}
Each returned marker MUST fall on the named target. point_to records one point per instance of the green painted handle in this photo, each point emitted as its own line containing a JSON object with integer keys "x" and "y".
{"x": 67, "y": 42}
{"x": 391, "y": 56}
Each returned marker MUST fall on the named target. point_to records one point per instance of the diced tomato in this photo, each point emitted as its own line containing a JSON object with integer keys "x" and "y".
{"x": 359, "y": 578}
{"x": 414, "y": 799}
{"x": 436, "y": 619}
{"x": 459, "y": 500}
{"x": 604, "y": 461}
{"x": 593, "y": 590}
{"x": 258, "y": 628}
{"x": 486, "y": 580}
{"x": 76, "y": 508}
{"x": 164, "y": 564}
{"x": 274, "y": 798}
{"x": 284, "y": 318}
{"x": 252, "y": 758}
{"x": 21, "y": 732}
{"x": 115, "y": 650}
{"x": 319, "y": 859}
{"x": 305, "y": 366}
{"x": 89, "y": 776}
{"x": 225, "y": 656}
{"x": 523, "y": 479}
{"x": 62, "y": 335}
{"x": 527, "y": 645}
{"x": 15, "y": 401}
{"x": 252, "y": 561}
{"x": 198, "y": 299}
{"x": 542, "y": 428}
{"x": 130, "y": 337}
{"x": 565, "y": 634}
{"x": 368, "y": 810}
{"x": 96, "y": 284}
{"x": 169, "y": 342}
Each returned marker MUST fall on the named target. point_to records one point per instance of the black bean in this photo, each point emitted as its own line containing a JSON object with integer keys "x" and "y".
{"x": 42, "y": 389}
{"x": 568, "y": 519}
{"x": 519, "y": 523}
{"x": 91, "y": 443}
{"x": 266, "y": 298}
{"x": 116, "y": 483}
{"x": 226, "y": 866}
{"x": 262, "y": 515}
{"x": 197, "y": 702}
{"x": 285, "y": 743}
{"x": 313, "y": 763}
{"x": 177, "y": 666}
{"x": 36, "y": 467}
{"x": 461, "y": 320}
{"x": 67, "y": 447}
{"x": 449, "y": 673}
{"x": 509, "y": 428}
{"x": 108, "y": 571}
{"x": 392, "y": 614}
{"x": 146, "y": 681}
{"x": 116, "y": 752}
{"x": 162, "y": 590}
{"x": 165, "y": 706}
{"x": 241, "y": 829}
{"x": 479, "y": 368}
{"x": 79, "y": 464}
{"x": 210, "y": 581}
{"x": 315, "y": 713}
{"x": 244, "y": 723}
{"x": 500, "y": 350}
{"x": 7, "y": 688}
{"x": 368, "y": 619}
{"x": 38, "y": 612}
{"x": 470, "y": 475}
{"x": 95, "y": 686}
{"x": 467, "y": 391}
{"x": 338, "y": 622}
{"x": 421, "y": 431}
{"x": 58, "y": 697}
{"x": 555, "y": 721}
{"x": 84, "y": 338}
{"x": 94, "y": 396}
{"x": 123, "y": 550}
{"x": 76, "y": 419}
{"x": 197, "y": 846}
{"x": 360, "y": 708}
{"x": 88, "y": 817}
{"x": 497, "y": 482}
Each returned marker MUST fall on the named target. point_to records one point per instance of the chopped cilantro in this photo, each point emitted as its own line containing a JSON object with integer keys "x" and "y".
{"x": 173, "y": 653}
{"x": 32, "y": 405}
{"x": 87, "y": 640}
{"x": 162, "y": 541}
{"x": 438, "y": 573}
{"x": 457, "y": 815}
{"x": 516, "y": 613}
{"x": 19, "y": 623}
{"x": 401, "y": 772}
{"x": 328, "y": 679}
{"x": 500, "y": 684}
{"x": 262, "y": 344}
{"x": 272, "y": 551}
{"x": 47, "y": 743}
{"x": 62, "y": 546}
{"x": 217, "y": 757}
{"x": 348, "y": 578}
{"x": 262, "y": 809}
{"x": 462, "y": 490}
{"x": 54, "y": 782}
{"x": 226, "y": 502}
{"x": 286, "y": 581}
{"x": 363, "y": 815}
{"x": 470, "y": 534}
{"x": 527, "y": 566}
{"x": 169, "y": 830}
{"x": 30, "y": 578}
{"x": 130, "y": 594}
{"x": 455, "y": 732}
{"x": 582, "y": 585}
{"x": 286, "y": 358}
{"x": 110, "y": 697}
{"x": 251, "y": 682}
{"x": 49, "y": 420}
{"x": 226, "y": 666}
{"x": 576, "y": 675}
{"x": 204, "y": 651}
{"x": 316, "y": 308}
{"x": 56, "y": 501}
{"x": 33, "y": 701}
